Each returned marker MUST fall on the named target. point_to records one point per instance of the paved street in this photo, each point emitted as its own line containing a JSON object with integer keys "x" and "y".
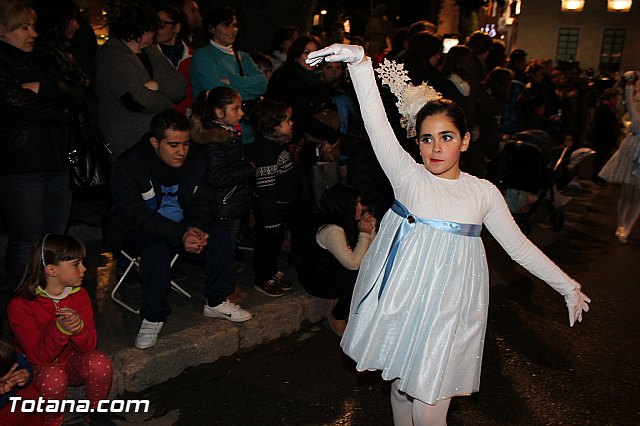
{"x": 536, "y": 369}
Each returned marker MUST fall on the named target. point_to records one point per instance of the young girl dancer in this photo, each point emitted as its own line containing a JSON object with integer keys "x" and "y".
{"x": 52, "y": 323}
{"x": 419, "y": 307}
{"x": 624, "y": 165}
{"x": 329, "y": 267}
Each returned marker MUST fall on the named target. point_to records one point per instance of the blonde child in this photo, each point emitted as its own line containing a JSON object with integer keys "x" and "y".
{"x": 419, "y": 308}
{"x": 52, "y": 322}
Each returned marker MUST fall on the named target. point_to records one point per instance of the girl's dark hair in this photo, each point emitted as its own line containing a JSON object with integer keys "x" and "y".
{"x": 398, "y": 39}
{"x": 499, "y": 81}
{"x": 497, "y": 56}
{"x": 8, "y": 356}
{"x": 297, "y": 47}
{"x": 339, "y": 208}
{"x": 216, "y": 16}
{"x": 54, "y": 17}
{"x": 446, "y": 107}
{"x": 282, "y": 34}
{"x": 532, "y": 69}
{"x": 458, "y": 60}
{"x": 204, "y": 106}
{"x": 133, "y": 21}
{"x": 49, "y": 250}
{"x": 422, "y": 47}
{"x": 479, "y": 42}
{"x": 268, "y": 115}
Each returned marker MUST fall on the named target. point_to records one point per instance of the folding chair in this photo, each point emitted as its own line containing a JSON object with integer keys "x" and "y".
{"x": 134, "y": 262}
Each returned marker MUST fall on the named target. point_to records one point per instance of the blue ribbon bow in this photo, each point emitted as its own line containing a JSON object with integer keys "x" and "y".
{"x": 465, "y": 229}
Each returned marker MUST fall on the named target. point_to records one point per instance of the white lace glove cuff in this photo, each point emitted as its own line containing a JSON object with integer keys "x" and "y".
{"x": 577, "y": 302}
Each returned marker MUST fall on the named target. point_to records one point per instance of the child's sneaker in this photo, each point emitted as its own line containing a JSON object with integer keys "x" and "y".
{"x": 226, "y": 310}
{"x": 148, "y": 334}
{"x": 279, "y": 279}
{"x": 270, "y": 288}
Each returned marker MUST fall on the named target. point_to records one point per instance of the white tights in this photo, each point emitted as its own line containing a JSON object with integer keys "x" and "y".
{"x": 628, "y": 207}
{"x": 408, "y": 411}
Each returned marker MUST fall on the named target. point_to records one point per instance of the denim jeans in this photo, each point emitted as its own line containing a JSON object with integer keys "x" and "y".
{"x": 233, "y": 227}
{"x": 33, "y": 204}
{"x": 155, "y": 268}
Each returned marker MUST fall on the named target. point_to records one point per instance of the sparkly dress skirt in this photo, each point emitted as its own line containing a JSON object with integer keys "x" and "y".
{"x": 423, "y": 318}
{"x": 624, "y": 165}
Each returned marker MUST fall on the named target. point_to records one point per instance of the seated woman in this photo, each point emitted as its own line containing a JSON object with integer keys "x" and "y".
{"x": 329, "y": 268}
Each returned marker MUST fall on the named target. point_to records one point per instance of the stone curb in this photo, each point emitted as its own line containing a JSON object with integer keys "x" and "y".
{"x": 135, "y": 370}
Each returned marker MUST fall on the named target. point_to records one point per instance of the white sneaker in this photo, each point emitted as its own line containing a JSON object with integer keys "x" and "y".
{"x": 227, "y": 310}
{"x": 148, "y": 334}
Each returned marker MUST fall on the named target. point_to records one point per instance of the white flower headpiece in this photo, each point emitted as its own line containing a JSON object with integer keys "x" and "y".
{"x": 410, "y": 98}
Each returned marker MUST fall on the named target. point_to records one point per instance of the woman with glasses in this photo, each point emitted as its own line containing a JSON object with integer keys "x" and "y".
{"x": 175, "y": 49}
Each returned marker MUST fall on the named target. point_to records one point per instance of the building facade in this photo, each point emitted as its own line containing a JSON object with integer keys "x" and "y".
{"x": 599, "y": 40}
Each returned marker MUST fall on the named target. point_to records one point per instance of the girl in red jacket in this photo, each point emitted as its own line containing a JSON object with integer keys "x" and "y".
{"x": 52, "y": 323}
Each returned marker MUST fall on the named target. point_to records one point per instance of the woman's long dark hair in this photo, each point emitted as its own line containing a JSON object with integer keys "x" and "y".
{"x": 297, "y": 47}
{"x": 421, "y": 48}
{"x": 458, "y": 61}
{"x": 54, "y": 17}
{"x": 339, "y": 208}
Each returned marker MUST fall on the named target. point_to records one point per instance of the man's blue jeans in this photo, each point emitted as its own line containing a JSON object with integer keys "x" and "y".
{"x": 33, "y": 204}
{"x": 156, "y": 254}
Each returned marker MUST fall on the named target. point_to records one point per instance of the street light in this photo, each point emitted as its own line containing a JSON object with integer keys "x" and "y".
{"x": 572, "y": 5}
{"x": 619, "y": 5}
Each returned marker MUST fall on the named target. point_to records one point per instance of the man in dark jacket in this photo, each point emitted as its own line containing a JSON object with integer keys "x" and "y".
{"x": 153, "y": 185}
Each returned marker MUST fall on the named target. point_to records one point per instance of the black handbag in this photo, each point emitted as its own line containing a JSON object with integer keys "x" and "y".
{"x": 88, "y": 155}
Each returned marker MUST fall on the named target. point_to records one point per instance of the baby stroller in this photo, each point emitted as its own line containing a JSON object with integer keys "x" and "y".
{"x": 526, "y": 171}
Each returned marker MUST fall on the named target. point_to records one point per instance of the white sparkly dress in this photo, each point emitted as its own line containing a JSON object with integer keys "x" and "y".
{"x": 419, "y": 307}
{"x": 624, "y": 165}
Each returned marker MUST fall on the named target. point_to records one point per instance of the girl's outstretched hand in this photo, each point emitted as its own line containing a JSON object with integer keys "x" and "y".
{"x": 577, "y": 302}
{"x": 351, "y": 54}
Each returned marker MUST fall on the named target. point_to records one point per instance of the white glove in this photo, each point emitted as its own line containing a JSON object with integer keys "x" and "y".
{"x": 576, "y": 303}
{"x": 351, "y": 54}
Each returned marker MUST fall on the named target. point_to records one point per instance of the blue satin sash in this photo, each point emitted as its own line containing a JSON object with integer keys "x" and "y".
{"x": 464, "y": 229}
